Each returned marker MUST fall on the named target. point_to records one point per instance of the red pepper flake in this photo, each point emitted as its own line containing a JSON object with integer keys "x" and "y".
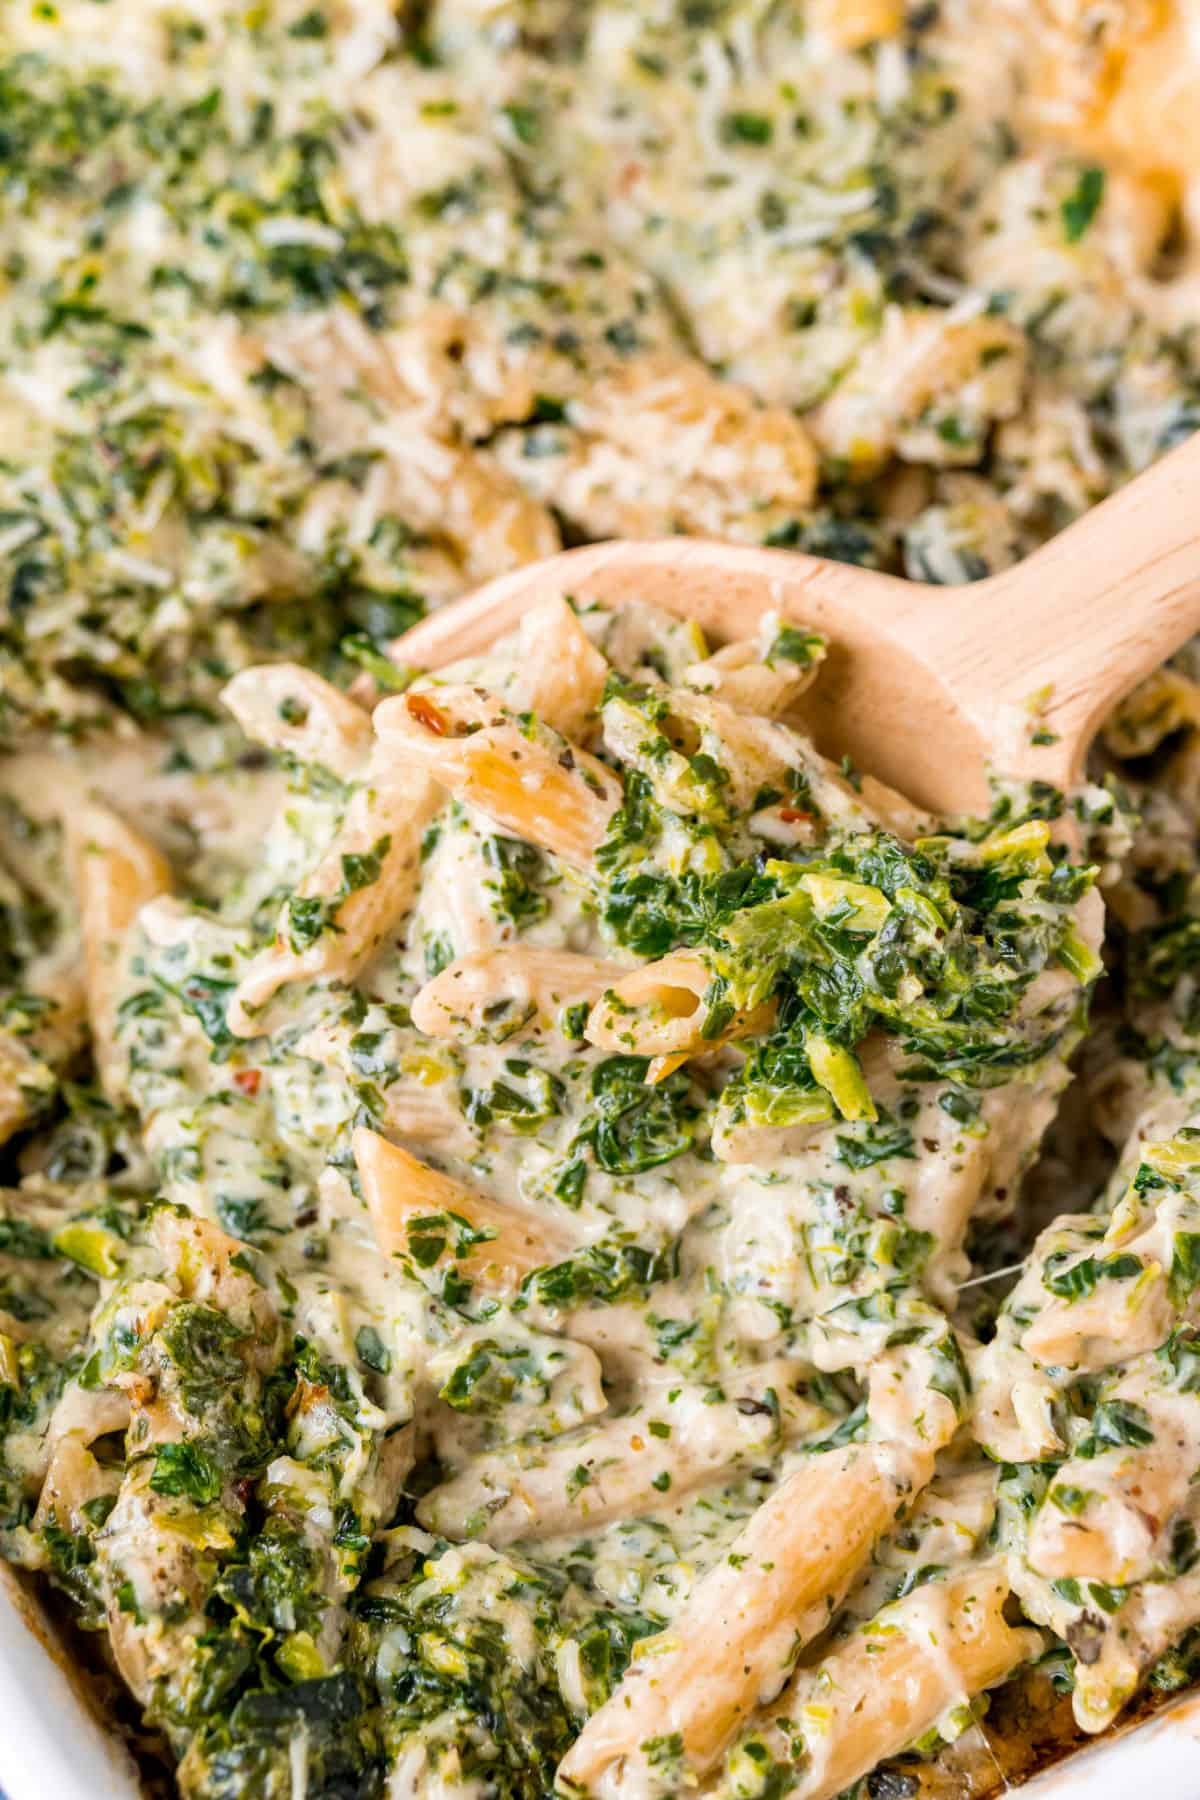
{"x": 247, "y": 1081}
{"x": 792, "y": 815}
{"x": 422, "y": 709}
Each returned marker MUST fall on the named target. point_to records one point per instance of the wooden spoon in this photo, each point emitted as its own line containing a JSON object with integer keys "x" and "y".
{"x": 925, "y": 687}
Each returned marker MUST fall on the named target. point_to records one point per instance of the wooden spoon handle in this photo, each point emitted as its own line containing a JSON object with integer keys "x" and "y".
{"x": 1045, "y": 649}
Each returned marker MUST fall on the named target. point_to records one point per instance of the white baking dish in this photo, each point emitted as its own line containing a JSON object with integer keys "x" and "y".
{"x": 1158, "y": 1760}
{"x": 52, "y": 1747}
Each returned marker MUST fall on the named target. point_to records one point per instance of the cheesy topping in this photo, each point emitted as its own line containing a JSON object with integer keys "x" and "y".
{"x": 554, "y": 1241}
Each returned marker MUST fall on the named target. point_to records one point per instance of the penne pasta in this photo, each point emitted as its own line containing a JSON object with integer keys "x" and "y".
{"x": 1091, "y": 1333}
{"x": 739, "y": 675}
{"x": 894, "y": 1680}
{"x": 26, "y": 1084}
{"x": 80, "y": 1417}
{"x": 1121, "y": 1510}
{"x": 288, "y": 708}
{"x": 421, "y": 1103}
{"x": 527, "y": 778}
{"x": 1128, "y": 1499}
{"x": 359, "y": 891}
{"x": 560, "y": 674}
{"x": 679, "y": 738}
{"x": 564, "y": 1258}
{"x": 1094, "y": 1294}
{"x": 852, "y": 23}
{"x": 73, "y": 1480}
{"x": 615, "y": 1468}
{"x": 52, "y": 1031}
{"x": 1117, "y": 1633}
{"x": 1121, "y": 1647}
{"x": 733, "y": 1644}
{"x": 735, "y": 1141}
{"x": 499, "y": 992}
{"x": 116, "y": 872}
{"x": 659, "y": 1011}
{"x": 418, "y": 1212}
{"x": 203, "y": 1263}
{"x": 911, "y": 1394}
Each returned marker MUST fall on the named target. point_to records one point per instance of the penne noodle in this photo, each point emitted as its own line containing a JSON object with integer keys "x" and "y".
{"x": 73, "y": 1479}
{"x": 202, "y": 1262}
{"x": 502, "y": 991}
{"x": 1092, "y": 1333}
{"x": 1111, "y": 1509}
{"x": 288, "y": 708}
{"x": 1131, "y": 1498}
{"x": 425, "y": 1113}
{"x": 662, "y": 1066}
{"x": 464, "y": 880}
{"x": 1118, "y": 1631}
{"x": 384, "y": 822}
{"x": 659, "y": 1011}
{"x": 1122, "y": 1646}
{"x": 26, "y": 1083}
{"x": 423, "y": 1104}
{"x": 850, "y": 24}
{"x": 116, "y": 872}
{"x": 528, "y": 779}
{"x": 401, "y": 1193}
{"x": 767, "y": 1145}
{"x": 895, "y": 1679}
{"x": 907, "y": 1400}
{"x": 53, "y": 1001}
{"x": 536, "y": 1486}
{"x": 735, "y": 1640}
{"x": 80, "y": 1417}
{"x": 893, "y": 811}
{"x": 1089, "y": 1300}
{"x": 752, "y": 753}
{"x": 560, "y": 673}
{"x": 738, "y": 675}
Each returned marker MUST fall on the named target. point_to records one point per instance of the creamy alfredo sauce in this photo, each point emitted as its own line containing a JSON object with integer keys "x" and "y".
{"x": 312, "y": 317}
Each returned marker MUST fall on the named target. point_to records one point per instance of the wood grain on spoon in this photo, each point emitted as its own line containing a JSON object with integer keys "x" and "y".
{"x": 925, "y": 687}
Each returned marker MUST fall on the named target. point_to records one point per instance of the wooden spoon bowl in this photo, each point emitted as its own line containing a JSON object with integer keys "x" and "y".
{"x": 925, "y": 687}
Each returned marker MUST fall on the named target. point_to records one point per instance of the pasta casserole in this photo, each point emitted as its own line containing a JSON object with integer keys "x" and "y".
{"x": 536, "y": 1328}
{"x": 554, "y": 1240}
